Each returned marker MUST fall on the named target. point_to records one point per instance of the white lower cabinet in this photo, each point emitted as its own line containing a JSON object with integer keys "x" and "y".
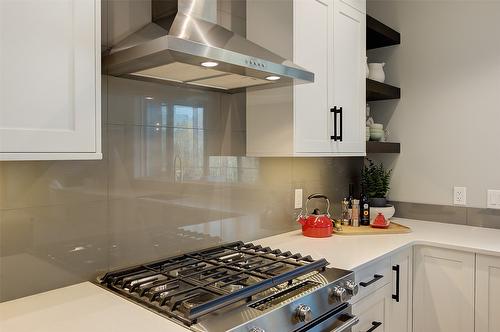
{"x": 401, "y": 302}
{"x": 374, "y": 311}
{"x": 443, "y": 298}
{"x": 487, "y": 294}
{"x": 431, "y": 290}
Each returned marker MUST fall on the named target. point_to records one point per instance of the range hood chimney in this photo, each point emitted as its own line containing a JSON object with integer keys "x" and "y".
{"x": 185, "y": 45}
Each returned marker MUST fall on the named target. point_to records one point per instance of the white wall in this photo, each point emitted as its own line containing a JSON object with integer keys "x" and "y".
{"x": 448, "y": 119}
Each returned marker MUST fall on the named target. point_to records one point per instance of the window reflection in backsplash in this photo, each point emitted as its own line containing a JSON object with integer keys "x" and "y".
{"x": 172, "y": 146}
{"x": 232, "y": 169}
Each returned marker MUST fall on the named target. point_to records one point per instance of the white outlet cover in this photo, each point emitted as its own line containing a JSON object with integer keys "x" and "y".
{"x": 459, "y": 195}
{"x": 298, "y": 198}
{"x": 494, "y": 199}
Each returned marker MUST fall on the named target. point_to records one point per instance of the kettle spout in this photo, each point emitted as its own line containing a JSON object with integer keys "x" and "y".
{"x": 302, "y": 221}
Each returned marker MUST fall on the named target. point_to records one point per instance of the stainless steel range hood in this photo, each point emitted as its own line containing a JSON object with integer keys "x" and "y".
{"x": 185, "y": 45}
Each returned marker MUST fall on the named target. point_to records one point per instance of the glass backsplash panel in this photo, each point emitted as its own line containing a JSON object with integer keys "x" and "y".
{"x": 174, "y": 178}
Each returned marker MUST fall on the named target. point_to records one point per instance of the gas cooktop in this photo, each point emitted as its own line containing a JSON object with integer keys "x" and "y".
{"x": 228, "y": 287}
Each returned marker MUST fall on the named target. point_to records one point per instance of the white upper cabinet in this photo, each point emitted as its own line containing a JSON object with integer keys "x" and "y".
{"x": 323, "y": 118}
{"x": 50, "y": 79}
{"x": 313, "y": 50}
{"x": 349, "y": 77}
{"x": 487, "y": 293}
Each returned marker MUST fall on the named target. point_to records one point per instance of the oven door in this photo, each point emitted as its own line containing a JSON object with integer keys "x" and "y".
{"x": 338, "y": 320}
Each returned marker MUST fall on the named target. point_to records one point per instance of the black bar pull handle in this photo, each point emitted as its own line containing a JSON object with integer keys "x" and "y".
{"x": 375, "y": 325}
{"x": 334, "y": 111}
{"x": 368, "y": 283}
{"x": 396, "y": 296}
{"x": 341, "y": 121}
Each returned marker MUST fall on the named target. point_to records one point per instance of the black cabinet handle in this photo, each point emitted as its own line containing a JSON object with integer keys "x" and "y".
{"x": 396, "y": 296}
{"x": 368, "y": 283}
{"x": 336, "y": 111}
{"x": 375, "y": 325}
{"x": 341, "y": 121}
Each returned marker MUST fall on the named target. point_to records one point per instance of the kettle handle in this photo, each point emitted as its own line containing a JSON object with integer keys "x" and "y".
{"x": 317, "y": 196}
{"x": 312, "y": 196}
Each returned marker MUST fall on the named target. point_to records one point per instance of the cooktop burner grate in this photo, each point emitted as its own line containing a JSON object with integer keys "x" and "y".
{"x": 191, "y": 285}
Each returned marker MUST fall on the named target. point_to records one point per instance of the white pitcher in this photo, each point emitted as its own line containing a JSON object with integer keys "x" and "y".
{"x": 377, "y": 72}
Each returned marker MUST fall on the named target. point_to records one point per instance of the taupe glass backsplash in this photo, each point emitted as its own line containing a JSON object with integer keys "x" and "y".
{"x": 174, "y": 178}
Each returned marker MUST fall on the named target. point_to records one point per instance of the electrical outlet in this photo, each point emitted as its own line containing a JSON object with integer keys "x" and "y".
{"x": 460, "y": 195}
{"x": 493, "y": 199}
{"x": 298, "y": 198}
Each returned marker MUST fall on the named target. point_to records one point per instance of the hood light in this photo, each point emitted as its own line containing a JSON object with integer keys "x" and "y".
{"x": 273, "y": 78}
{"x": 209, "y": 64}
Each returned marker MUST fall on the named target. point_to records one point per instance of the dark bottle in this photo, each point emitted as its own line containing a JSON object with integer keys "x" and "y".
{"x": 350, "y": 198}
{"x": 351, "y": 191}
{"x": 364, "y": 218}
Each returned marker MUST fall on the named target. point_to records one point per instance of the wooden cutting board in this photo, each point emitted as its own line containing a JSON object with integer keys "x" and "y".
{"x": 394, "y": 228}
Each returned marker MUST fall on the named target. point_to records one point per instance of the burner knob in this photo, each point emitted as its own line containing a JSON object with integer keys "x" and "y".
{"x": 339, "y": 293}
{"x": 352, "y": 287}
{"x": 303, "y": 313}
{"x": 256, "y": 329}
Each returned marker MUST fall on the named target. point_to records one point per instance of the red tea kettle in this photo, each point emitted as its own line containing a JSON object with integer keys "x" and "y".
{"x": 316, "y": 224}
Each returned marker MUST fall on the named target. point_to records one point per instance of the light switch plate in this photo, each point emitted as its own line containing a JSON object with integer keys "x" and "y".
{"x": 459, "y": 195}
{"x": 298, "y": 198}
{"x": 493, "y": 199}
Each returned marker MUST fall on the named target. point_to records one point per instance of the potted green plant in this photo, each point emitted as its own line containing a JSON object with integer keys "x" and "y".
{"x": 375, "y": 180}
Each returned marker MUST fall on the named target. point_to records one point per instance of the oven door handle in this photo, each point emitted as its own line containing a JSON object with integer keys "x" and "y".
{"x": 353, "y": 320}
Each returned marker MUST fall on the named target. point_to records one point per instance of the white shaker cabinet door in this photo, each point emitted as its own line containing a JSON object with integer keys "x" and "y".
{"x": 313, "y": 50}
{"x": 349, "y": 83}
{"x": 401, "y": 301}
{"x": 50, "y": 79}
{"x": 487, "y": 293}
{"x": 443, "y": 292}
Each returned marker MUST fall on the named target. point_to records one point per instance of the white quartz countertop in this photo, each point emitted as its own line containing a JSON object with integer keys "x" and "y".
{"x": 351, "y": 252}
{"x": 86, "y": 307}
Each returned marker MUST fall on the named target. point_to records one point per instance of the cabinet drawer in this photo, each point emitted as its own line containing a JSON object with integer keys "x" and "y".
{"x": 372, "y": 277}
{"x": 373, "y": 311}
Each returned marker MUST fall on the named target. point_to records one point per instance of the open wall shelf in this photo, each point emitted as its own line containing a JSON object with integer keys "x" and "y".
{"x": 380, "y": 35}
{"x": 382, "y": 147}
{"x": 381, "y": 91}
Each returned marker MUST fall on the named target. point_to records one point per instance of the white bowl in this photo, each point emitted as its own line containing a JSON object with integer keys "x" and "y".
{"x": 377, "y": 126}
{"x": 388, "y": 212}
{"x": 376, "y": 135}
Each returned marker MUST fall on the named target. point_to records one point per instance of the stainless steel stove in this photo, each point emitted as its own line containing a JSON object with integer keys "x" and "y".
{"x": 241, "y": 287}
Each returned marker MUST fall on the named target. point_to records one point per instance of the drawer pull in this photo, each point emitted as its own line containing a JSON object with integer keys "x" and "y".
{"x": 368, "y": 283}
{"x": 375, "y": 325}
{"x": 396, "y": 296}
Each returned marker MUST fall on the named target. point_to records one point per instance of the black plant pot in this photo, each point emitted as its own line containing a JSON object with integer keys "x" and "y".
{"x": 378, "y": 202}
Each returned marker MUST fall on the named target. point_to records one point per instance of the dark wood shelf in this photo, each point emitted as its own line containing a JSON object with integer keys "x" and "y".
{"x": 381, "y": 91}
{"x": 380, "y": 35}
{"x": 382, "y": 147}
